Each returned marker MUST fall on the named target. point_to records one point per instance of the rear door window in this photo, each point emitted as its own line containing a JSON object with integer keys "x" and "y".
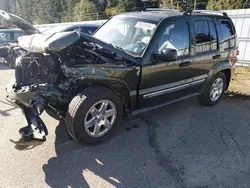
{"x": 201, "y": 32}
{"x": 206, "y": 36}
{"x": 227, "y": 34}
{"x": 213, "y": 36}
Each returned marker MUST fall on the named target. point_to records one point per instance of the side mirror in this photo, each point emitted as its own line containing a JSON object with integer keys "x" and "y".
{"x": 168, "y": 54}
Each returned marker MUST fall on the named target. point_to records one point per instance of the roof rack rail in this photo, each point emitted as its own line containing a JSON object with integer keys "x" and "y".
{"x": 216, "y": 12}
{"x": 162, "y": 9}
{"x": 157, "y": 9}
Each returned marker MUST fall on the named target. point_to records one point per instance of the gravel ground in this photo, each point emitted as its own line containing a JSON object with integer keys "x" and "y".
{"x": 182, "y": 145}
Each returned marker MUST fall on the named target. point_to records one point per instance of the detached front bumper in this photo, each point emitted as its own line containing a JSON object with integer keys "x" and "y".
{"x": 39, "y": 97}
{"x": 22, "y": 96}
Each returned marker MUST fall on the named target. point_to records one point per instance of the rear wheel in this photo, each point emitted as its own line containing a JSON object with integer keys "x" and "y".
{"x": 94, "y": 115}
{"x": 214, "y": 90}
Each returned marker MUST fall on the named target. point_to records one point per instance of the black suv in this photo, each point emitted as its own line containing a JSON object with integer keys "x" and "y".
{"x": 135, "y": 62}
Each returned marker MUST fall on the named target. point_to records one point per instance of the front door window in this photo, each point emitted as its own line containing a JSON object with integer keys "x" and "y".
{"x": 175, "y": 36}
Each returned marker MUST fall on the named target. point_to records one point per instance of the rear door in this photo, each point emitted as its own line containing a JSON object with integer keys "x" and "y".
{"x": 206, "y": 45}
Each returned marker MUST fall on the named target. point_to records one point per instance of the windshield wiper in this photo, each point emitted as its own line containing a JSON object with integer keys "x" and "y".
{"x": 117, "y": 47}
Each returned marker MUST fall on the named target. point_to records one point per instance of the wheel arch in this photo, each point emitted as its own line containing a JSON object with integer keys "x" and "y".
{"x": 120, "y": 87}
{"x": 223, "y": 66}
{"x": 228, "y": 75}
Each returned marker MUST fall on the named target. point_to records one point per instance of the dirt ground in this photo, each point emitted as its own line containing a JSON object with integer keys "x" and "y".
{"x": 240, "y": 85}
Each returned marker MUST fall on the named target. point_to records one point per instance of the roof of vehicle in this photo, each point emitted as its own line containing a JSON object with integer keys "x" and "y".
{"x": 151, "y": 15}
{"x": 8, "y": 30}
{"x": 3, "y": 27}
{"x": 161, "y": 14}
{"x": 61, "y": 28}
{"x": 84, "y": 25}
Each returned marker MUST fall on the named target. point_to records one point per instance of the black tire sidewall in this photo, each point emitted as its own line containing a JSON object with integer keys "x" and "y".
{"x": 208, "y": 99}
{"x": 79, "y": 132}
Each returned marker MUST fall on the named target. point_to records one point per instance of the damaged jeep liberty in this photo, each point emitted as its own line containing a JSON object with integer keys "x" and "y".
{"x": 135, "y": 62}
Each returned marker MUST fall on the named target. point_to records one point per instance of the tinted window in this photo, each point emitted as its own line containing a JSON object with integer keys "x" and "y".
{"x": 175, "y": 36}
{"x": 206, "y": 36}
{"x": 226, "y": 29}
{"x": 213, "y": 35}
{"x": 226, "y": 34}
{"x": 201, "y": 32}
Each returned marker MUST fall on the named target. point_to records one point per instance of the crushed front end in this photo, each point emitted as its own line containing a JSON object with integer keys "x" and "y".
{"x": 35, "y": 88}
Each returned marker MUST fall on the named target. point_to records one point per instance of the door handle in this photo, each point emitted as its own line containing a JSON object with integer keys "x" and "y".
{"x": 185, "y": 64}
{"x": 218, "y": 56}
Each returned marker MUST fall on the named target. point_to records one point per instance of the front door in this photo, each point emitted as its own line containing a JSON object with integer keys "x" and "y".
{"x": 165, "y": 81}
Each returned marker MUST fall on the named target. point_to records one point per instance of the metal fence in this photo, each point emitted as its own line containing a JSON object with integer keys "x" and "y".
{"x": 241, "y": 20}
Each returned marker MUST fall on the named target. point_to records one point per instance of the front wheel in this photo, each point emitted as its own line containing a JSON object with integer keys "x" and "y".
{"x": 94, "y": 115}
{"x": 214, "y": 90}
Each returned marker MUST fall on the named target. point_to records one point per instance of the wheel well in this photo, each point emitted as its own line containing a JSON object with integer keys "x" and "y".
{"x": 227, "y": 73}
{"x": 122, "y": 92}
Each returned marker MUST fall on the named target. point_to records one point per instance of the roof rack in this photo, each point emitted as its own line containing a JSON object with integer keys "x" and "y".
{"x": 216, "y": 12}
{"x": 157, "y": 9}
{"x": 162, "y": 9}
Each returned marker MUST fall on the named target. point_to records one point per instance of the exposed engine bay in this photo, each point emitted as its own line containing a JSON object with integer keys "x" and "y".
{"x": 44, "y": 80}
{"x": 56, "y": 68}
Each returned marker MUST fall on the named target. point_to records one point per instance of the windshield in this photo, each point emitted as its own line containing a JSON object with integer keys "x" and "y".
{"x": 129, "y": 34}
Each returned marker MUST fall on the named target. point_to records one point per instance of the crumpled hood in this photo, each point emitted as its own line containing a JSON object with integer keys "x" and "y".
{"x": 40, "y": 43}
{"x": 56, "y": 42}
{"x": 28, "y": 28}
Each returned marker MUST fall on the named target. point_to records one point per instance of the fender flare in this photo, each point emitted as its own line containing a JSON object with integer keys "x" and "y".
{"x": 119, "y": 86}
{"x": 216, "y": 68}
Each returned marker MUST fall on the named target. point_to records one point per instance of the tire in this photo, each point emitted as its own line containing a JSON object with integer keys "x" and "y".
{"x": 78, "y": 114}
{"x": 205, "y": 98}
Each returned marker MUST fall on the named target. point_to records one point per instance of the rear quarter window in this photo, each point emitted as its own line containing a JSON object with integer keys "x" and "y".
{"x": 227, "y": 34}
